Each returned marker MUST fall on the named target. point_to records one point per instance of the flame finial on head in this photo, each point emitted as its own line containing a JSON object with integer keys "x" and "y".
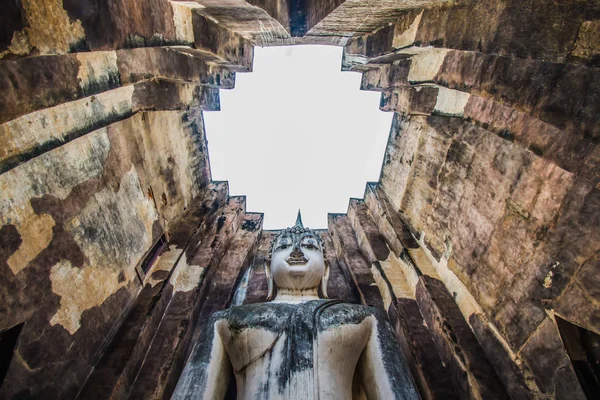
{"x": 298, "y": 223}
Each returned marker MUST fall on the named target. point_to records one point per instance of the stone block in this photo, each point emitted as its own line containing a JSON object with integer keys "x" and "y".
{"x": 546, "y": 356}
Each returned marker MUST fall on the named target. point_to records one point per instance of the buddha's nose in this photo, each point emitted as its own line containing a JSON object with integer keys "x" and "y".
{"x": 296, "y": 252}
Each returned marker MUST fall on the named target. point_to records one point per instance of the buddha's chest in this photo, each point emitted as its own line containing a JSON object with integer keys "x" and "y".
{"x": 296, "y": 347}
{"x": 305, "y": 352}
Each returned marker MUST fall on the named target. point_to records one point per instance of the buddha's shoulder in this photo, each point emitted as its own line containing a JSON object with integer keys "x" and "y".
{"x": 349, "y": 313}
{"x": 275, "y": 316}
{"x": 271, "y": 316}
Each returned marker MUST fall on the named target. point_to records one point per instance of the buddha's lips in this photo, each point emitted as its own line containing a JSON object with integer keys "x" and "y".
{"x": 296, "y": 261}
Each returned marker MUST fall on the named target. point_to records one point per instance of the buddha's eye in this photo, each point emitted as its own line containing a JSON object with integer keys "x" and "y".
{"x": 283, "y": 244}
{"x": 310, "y": 244}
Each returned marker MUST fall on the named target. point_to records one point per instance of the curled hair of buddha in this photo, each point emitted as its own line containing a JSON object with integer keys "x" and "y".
{"x": 297, "y": 229}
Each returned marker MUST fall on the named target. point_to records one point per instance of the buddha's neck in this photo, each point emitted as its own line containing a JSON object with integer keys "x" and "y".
{"x": 295, "y": 296}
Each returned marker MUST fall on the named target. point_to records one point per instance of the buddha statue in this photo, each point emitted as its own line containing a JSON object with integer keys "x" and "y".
{"x": 297, "y": 345}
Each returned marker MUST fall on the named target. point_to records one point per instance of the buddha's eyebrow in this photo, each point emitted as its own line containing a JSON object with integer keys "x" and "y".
{"x": 309, "y": 237}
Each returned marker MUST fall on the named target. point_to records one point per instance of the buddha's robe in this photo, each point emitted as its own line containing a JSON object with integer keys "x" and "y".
{"x": 321, "y": 349}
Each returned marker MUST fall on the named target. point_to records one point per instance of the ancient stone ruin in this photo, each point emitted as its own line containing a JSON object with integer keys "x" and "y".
{"x": 480, "y": 241}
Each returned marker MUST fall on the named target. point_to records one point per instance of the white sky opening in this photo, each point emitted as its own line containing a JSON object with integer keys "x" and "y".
{"x": 297, "y": 133}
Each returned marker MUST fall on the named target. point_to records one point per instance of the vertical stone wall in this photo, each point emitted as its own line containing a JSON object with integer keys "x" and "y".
{"x": 194, "y": 276}
{"x": 77, "y": 221}
{"x": 104, "y": 183}
{"x": 491, "y": 167}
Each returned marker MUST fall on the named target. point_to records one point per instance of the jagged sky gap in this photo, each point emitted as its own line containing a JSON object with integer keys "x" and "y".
{"x": 297, "y": 133}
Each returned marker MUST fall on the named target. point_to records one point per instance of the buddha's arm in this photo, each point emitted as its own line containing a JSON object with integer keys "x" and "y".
{"x": 208, "y": 371}
{"x": 382, "y": 366}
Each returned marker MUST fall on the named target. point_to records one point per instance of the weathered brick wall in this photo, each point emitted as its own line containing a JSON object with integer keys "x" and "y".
{"x": 492, "y": 165}
{"x": 102, "y": 153}
{"x": 76, "y": 222}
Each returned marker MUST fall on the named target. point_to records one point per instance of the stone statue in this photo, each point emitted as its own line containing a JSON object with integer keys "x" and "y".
{"x": 297, "y": 346}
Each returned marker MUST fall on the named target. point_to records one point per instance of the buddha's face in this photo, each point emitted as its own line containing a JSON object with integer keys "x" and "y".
{"x": 297, "y": 261}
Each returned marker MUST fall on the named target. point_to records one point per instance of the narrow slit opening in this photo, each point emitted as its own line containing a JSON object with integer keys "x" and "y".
{"x": 583, "y": 348}
{"x": 153, "y": 254}
{"x": 8, "y": 343}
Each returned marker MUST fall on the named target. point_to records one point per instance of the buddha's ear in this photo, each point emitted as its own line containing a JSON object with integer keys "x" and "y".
{"x": 269, "y": 280}
{"x": 325, "y": 280}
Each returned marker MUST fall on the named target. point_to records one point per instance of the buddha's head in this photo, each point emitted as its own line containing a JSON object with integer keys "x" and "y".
{"x": 297, "y": 262}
